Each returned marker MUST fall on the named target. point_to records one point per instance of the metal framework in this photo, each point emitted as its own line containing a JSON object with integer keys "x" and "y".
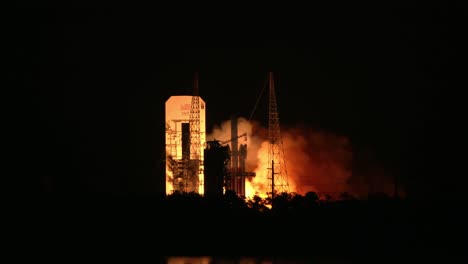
{"x": 182, "y": 178}
{"x": 194, "y": 119}
{"x": 277, "y": 173}
{"x": 195, "y": 122}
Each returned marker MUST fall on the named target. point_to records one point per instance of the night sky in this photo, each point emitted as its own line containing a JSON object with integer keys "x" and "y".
{"x": 93, "y": 84}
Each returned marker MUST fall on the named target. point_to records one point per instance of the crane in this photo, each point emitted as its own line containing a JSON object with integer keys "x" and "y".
{"x": 229, "y": 140}
{"x": 216, "y": 142}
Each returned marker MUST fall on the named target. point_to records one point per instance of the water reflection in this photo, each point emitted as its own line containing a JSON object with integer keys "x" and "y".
{"x": 239, "y": 260}
{"x": 189, "y": 260}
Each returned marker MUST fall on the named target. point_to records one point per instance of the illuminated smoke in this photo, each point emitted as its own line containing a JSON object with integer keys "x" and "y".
{"x": 315, "y": 161}
{"x": 254, "y": 147}
{"x": 223, "y": 133}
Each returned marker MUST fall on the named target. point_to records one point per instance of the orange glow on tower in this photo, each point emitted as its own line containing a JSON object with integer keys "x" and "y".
{"x": 184, "y": 172}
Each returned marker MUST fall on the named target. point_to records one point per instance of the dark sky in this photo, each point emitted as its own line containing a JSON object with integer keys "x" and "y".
{"x": 99, "y": 79}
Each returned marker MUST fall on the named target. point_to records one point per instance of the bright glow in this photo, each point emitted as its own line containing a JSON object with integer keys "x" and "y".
{"x": 315, "y": 161}
{"x": 178, "y": 112}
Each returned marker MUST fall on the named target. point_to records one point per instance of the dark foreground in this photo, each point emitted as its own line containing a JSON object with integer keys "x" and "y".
{"x": 189, "y": 225}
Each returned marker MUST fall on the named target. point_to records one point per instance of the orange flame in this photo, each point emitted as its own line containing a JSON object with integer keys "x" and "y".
{"x": 258, "y": 185}
{"x": 314, "y": 161}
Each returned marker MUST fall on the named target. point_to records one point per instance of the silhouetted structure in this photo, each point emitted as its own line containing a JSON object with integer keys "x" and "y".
{"x": 216, "y": 162}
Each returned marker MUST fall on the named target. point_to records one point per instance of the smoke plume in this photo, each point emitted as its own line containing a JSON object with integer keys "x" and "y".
{"x": 315, "y": 161}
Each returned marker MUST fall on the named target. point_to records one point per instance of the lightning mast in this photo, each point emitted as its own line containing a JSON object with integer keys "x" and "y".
{"x": 194, "y": 120}
{"x": 277, "y": 173}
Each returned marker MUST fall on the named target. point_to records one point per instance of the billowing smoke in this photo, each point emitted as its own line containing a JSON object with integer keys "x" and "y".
{"x": 315, "y": 160}
{"x": 254, "y": 138}
{"x": 256, "y": 142}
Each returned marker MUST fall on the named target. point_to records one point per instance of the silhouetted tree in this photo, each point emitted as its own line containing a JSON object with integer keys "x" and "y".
{"x": 281, "y": 202}
{"x": 346, "y": 196}
{"x": 233, "y": 201}
{"x": 257, "y": 204}
{"x": 311, "y": 197}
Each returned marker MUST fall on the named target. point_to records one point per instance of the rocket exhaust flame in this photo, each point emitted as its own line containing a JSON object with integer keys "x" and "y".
{"x": 316, "y": 161}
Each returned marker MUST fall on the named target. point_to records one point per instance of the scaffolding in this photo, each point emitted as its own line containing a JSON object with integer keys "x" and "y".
{"x": 184, "y": 171}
